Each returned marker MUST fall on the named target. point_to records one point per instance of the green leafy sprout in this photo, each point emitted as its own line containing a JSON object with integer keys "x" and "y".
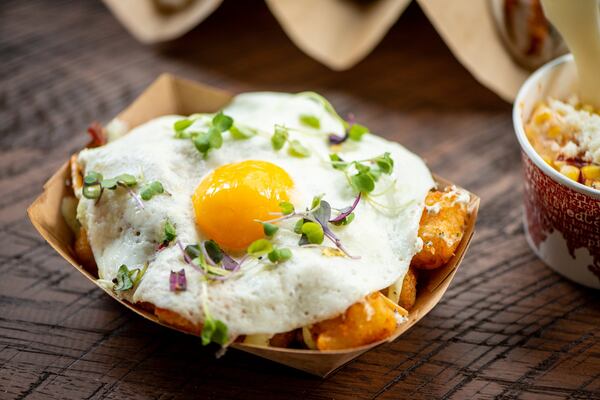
{"x": 127, "y": 279}
{"x": 295, "y": 148}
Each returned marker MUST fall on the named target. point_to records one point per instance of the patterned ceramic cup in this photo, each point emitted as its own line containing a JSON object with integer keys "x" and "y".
{"x": 562, "y": 217}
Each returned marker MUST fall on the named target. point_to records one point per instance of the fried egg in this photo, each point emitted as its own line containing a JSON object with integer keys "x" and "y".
{"x": 222, "y": 196}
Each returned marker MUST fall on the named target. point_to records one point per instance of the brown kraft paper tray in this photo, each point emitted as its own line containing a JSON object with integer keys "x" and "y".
{"x": 172, "y": 95}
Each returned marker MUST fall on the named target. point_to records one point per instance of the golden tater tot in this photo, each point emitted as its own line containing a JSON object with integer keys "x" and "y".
{"x": 174, "y": 319}
{"x": 408, "y": 295}
{"x": 441, "y": 228}
{"x": 286, "y": 339}
{"x": 83, "y": 249}
{"x": 364, "y": 322}
{"x": 76, "y": 178}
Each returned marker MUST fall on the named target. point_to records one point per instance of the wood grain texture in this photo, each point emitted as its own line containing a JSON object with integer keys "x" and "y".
{"x": 508, "y": 326}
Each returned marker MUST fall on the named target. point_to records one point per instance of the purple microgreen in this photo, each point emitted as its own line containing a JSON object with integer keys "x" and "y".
{"x": 177, "y": 281}
{"x": 230, "y": 264}
{"x": 97, "y": 134}
{"x": 135, "y": 198}
{"x": 337, "y": 242}
{"x": 337, "y": 139}
{"x": 184, "y": 251}
{"x": 205, "y": 256}
{"x": 345, "y": 212}
{"x": 322, "y": 213}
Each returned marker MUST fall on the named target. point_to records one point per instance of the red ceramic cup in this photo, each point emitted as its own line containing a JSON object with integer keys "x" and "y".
{"x": 562, "y": 217}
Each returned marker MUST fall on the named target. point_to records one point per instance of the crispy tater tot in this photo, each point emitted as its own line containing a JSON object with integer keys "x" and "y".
{"x": 76, "y": 177}
{"x": 441, "y": 228}
{"x": 83, "y": 249}
{"x": 174, "y": 319}
{"x": 286, "y": 339}
{"x": 408, "y": 295}
{"x": 364, "y": 322}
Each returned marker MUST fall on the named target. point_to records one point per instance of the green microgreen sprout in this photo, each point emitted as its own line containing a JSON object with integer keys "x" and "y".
{"x": 242, "y": 132}
{"x": 310, "y": 121}
{"x": 281, "y": 137}
{"x": 269, "y": 229}
{"x": 212, "y": 138}
{"x": 151, "y": 189}
{"x": 127, "y": 279}
{"x": 213, "y": 330}
{"x": 263, "y": 247}
{"x": 313, "y": 224}
{"x": 296, "y": 149}
{"x": 169, "y": 234}
{"x": 286, "y": 207}
{"x": 365, "y": 173}
{"x": 94, "y": 185}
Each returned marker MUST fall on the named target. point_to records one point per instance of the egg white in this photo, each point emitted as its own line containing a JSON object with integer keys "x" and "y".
{"x": 310, "y": 287}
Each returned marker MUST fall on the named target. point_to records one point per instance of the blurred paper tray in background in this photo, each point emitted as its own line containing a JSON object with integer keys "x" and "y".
{"x": 340, "y": 33}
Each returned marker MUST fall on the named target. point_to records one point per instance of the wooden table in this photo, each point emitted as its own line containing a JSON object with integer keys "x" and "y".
{"x": 508, "y": 326}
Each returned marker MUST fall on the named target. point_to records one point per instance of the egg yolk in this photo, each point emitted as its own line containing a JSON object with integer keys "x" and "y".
{"x": 230, "y": 199}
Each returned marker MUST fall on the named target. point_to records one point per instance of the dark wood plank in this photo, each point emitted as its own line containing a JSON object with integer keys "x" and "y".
{"x": 508, "y": 326}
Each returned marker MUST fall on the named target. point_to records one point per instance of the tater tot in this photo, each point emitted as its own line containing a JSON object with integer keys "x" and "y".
{"x": 174, "y": 319}
{"x": 441, "y": 228}
{"x": 408, "y": 295}
{"x": 364, "y": 322}
{"x": 83, "y": 249}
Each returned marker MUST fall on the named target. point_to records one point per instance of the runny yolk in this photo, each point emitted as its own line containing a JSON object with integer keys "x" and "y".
{"x": 230, "y": 199}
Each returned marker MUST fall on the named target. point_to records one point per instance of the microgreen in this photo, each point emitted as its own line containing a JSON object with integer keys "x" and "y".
{"x": 296, "y": 149}
{"x": 177, "y": 281}
{"x": 352, "y": 130}
{"x": 151, "y": 189}
{"x": 94, "y": 185}
{"x": 279, "y": 137}
{"x": 240, "y": 132}
{"x": 213, "y": 331}
{"x": 97, "y": 134}
{"x": 357, "y": 131}
{"x": 222, "y": 122}
{"x": 286, "y": 207}
{"x": 280, "y": 255}
{"x": 312, "y": 225}
{"x": 213, "y": 251}
{"x": 209, "y": 259}
{"x": 212, "y": 137}
{"x": 313, "y": 232}
{"x": 259, "y": 248}
{"x": 180, "y": 126}
{"x": 169, "y": 233}
{"x": 367, "y": 172}
{"x": 127, "y": 279}
{"x": 269, "y": 229}
{"x": 310, "y": 121}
